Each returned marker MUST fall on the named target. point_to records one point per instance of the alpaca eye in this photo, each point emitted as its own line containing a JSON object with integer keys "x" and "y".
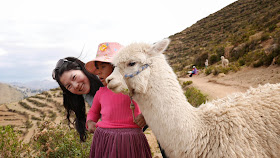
{"x": 131, "y": 64}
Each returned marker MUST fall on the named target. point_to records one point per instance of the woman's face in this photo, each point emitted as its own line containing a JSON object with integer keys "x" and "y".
{"x": 75, "y": 81}
{"x": 103, "y": 71}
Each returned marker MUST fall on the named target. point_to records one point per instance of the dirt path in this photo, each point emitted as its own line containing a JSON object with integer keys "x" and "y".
{"x": 212, "y": 88}
{"x": 222, "y": 85}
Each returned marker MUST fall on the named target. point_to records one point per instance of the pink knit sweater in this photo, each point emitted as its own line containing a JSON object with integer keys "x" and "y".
{"x": 114, "y": 109}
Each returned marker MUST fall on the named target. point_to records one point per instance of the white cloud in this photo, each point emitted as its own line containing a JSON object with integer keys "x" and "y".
{"x": 2, "y": 52}
{"x": 33, "y": 33}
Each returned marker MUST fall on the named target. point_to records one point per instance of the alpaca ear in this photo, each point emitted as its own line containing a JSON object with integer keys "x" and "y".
{"x": 159, "y": 47}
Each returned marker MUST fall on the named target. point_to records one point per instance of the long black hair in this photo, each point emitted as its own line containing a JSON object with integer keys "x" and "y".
{"x": 74, "y": 102}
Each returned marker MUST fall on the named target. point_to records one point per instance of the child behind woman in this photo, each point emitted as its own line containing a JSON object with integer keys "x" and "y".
{"x": 116, "y": 135}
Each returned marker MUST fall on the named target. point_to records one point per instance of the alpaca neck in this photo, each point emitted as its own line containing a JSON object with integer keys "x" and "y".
{"x": 165, "y": 107}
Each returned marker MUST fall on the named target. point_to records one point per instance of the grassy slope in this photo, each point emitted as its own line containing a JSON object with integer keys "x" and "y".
{"x": 246, "y": 29}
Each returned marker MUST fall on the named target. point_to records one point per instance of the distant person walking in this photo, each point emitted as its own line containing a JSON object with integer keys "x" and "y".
{"x": 206, "y": 63}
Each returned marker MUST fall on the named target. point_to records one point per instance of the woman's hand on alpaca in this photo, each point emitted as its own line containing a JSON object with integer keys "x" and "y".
{"x": 140, "y": 120}
{"x": 91, "y": 126}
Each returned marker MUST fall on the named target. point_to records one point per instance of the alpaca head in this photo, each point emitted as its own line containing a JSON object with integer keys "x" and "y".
{"x": 117, "y": 83}
{"x": 133, "y": 66}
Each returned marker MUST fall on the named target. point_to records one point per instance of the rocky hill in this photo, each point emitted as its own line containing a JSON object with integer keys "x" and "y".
{"x": 26, "y": 115}
{"x": 9, "y": 94}
{"x": 247, "y": 32}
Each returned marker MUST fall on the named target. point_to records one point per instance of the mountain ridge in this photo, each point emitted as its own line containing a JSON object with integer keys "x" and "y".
{"x": 9, "y": 94}
{"x": 247, "y": 30}
{"x": 16, "y": 91}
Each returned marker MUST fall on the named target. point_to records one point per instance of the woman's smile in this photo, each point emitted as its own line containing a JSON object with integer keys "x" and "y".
{"x": 75, "y": 81}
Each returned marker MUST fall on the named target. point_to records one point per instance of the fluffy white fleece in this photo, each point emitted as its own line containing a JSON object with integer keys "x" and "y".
{"x": 240, "y": 125}
{"x": 224, "y": 61}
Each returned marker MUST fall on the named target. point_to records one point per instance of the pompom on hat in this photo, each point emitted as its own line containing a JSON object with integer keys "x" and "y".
{"x": 105, "y": 53}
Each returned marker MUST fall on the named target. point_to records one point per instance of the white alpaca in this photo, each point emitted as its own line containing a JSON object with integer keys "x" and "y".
{"x": 224, "y": 61}
{"x": 241, "y": 125}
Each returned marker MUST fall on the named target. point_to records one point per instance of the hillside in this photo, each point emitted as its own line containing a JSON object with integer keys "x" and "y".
{"x": 35, "y": 115}
{"x": 9, "y": 94}
{"x": 26, "y": 115}
{"x": 247, "y": 32}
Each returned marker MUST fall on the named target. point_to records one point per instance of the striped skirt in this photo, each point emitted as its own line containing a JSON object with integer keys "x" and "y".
{"x": 119, "y": 143}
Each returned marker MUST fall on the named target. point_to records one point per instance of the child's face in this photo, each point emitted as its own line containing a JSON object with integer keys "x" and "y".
{"x": 75, "y": 81}
{"x": 103, "y": 71}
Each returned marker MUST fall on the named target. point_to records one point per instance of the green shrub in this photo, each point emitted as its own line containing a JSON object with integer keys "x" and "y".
{"x": 10, "y": 144}
{"x": 28, "y": 124}
{"x": 267, "y": 60}
{"x": 234, "y": 68}
{"x": 265, "y": 37}
{"x": 272, "y": 27}
{"x": 38, "y": 97}
{"x": 59, "y": 141}
{"x": 52, "y": 115}
{"x": 213, "y": 59}
{"x": 224, "y": 70}
{"x": 195, "y": 97}
{"x": 277, "y": 61}
{"x": 186, "y": 83}
{"x": 216, "y": 71}
{"x": 258, "y": 63}
{"x": 249, "y": 59}
{"x": 241, "y": 62}
{"x": 35, "y": 118}
{"x": 37, "y": 103}
{"x": 47, "y": 94}
{"x": 220, "y": 51}
{"x": 55, "y": 89}
{"x": 200, "y": 60}
{"x": 26, "y": 106}
{"x": 208, "y": 70}
{"x": 264, "y": 59}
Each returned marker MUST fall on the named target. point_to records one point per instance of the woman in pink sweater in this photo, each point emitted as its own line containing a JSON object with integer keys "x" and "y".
{"x": 116, "y": 134}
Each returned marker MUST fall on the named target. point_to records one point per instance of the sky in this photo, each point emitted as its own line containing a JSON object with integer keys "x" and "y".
{"x": 35, "y": 34}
